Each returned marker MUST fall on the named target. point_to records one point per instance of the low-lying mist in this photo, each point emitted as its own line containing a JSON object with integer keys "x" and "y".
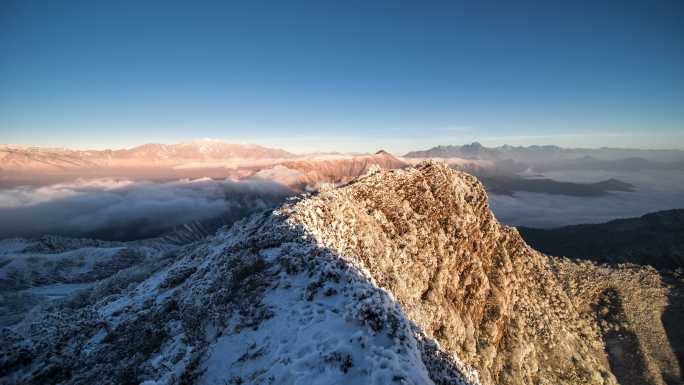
{"x": 112, "y": 209}
{"x": 129, "y": 209}
{"x": 653, "y": 191}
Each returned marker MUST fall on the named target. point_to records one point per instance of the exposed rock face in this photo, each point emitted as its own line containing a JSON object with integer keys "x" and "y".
{"x": 314, "y": 172}
{"x": 427, "y": 236}
{"x": 261, "y": 303}
{"x": 352, "y": 286}
{"x": 629, "y": 307}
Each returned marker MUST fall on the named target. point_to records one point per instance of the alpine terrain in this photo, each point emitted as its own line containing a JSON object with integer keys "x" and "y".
{"x": 398, "y": 277}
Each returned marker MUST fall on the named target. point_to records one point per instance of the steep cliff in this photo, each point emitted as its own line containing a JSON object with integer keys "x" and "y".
{"x": 427, "y": 236}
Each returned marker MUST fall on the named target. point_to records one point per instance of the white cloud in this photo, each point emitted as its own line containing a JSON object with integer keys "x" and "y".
{"x": 120, "y": 209}
{"x": 655, "y": 191}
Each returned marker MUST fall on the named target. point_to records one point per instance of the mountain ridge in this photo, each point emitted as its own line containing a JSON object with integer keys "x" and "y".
{"x": 399, "y": 276}
{"x": 536, "y": 153}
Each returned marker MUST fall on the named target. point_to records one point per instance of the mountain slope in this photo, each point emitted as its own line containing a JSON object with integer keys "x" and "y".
{"x": 427, "y": 235}
{"x": 50, "y": 268}
{"x": 310, "y": 174}
{"x": 260, "y": 303}
{"x": 637, "y": 311}
{"x": 402, "y": 276}
{"x": 655, "y": 239}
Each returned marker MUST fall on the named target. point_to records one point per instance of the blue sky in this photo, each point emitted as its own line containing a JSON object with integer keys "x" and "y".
{"x": 352, "y": 75}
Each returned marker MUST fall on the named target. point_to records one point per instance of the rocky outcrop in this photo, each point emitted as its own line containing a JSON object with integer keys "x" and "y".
{"x": 312, "y": 173}
{"x": 427, "y": 236}
{"x": 260, "y": 303}
{"x": 631, "y": 308}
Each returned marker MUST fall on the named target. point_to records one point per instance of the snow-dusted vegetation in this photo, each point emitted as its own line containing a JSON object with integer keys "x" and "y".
{"x": 400, "y": 277}
{"x": 260, "y": 303}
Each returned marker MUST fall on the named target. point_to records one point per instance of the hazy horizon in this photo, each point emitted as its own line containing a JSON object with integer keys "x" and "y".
{"x": 368, "y": 148}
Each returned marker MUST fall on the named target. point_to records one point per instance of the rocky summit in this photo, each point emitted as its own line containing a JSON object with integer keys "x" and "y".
{"x": 399, "y": 277}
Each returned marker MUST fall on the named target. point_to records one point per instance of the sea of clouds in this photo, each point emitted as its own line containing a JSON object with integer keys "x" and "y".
{"x": 124, "y": 210}
{"x": 654, "y": 191}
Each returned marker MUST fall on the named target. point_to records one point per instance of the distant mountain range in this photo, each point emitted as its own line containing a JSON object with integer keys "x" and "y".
{"x": 548, "y": 158}
{"x": 655, "y": 239}
{"x": 15, "y": 158}
{"x": 214, "y": 154}
{"x": 197, "y": 159}
{"x": 499, "y": 167}
{"x": 509, "y": 185}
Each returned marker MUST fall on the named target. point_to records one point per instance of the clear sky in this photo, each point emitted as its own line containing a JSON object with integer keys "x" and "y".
{"x": 344, "y": 75}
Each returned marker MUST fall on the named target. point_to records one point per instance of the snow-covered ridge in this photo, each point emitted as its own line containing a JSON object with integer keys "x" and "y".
{"x": 401, "y": 276}
{"x": 262, "y": 303}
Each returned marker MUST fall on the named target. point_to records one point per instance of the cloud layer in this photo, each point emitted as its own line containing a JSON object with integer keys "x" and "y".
{"x": 654, "y": 191}
{"x": 122, "y": 209}
{"x": 117, "y": 209}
